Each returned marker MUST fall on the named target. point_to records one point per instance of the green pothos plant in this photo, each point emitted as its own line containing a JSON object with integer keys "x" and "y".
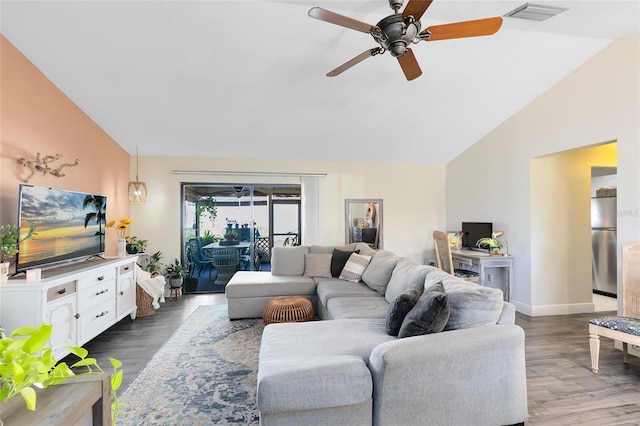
{"x": 27, "y": 363}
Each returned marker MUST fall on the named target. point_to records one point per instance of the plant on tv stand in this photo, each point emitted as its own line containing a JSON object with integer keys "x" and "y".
{"x": 10, "y": 240}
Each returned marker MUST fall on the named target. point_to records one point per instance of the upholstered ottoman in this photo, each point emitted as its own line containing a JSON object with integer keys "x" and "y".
{"x": 318, "y": 369}
{"x": 249, "y": 291}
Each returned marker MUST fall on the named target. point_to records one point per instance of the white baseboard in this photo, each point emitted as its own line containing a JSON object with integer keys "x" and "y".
{"x": 542, "y": 310}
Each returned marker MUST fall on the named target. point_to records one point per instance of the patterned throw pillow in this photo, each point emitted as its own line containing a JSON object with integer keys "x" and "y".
{"x": 317, "y": 265}
{"x": 354, "y": 267}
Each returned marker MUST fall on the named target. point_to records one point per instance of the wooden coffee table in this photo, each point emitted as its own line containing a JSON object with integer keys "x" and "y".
{"x": 288, "y": 309}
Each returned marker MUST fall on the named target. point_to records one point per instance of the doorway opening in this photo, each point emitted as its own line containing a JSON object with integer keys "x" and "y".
{"x": 233, "y": 227}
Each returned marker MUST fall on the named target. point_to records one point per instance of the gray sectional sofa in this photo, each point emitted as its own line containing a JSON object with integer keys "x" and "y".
{"x": 346, "y": 369}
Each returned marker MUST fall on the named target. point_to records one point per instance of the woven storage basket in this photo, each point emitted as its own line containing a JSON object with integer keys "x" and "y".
{"x": 144, "y": 303}
{"x": 606, "y": 192}
{"x": 287, "y": 309}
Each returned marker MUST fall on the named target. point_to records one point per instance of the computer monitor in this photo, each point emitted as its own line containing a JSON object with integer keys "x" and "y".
{"x": 473, "y": 231}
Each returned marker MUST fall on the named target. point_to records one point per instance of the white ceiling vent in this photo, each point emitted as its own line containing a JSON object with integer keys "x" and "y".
{"x": 534, "y": 12}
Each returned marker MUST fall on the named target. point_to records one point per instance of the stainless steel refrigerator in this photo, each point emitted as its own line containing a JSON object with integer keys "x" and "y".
{"x": 605, "y": 247}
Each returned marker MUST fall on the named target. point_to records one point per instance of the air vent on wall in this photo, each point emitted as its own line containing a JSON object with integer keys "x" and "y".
{"x": 534, "y": 12}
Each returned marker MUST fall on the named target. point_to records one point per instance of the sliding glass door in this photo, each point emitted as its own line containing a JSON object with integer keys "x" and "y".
{"x": 228, "y": 227}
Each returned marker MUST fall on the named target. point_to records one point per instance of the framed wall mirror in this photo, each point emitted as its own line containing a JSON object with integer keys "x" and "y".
{"x": 363, "y": 221}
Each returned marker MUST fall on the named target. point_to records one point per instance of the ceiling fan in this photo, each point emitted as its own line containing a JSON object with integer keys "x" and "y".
{"x": 239, "y": 191}
{"x": 395, "y": 32}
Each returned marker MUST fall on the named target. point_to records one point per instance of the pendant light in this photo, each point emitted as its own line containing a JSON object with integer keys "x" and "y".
{"x": 137, "y": 189}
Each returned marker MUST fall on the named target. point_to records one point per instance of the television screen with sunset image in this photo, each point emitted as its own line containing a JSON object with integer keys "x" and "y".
{"x": 69, "y": 225}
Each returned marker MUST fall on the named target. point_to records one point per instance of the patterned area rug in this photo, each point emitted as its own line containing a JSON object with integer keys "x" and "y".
{"x": 205, "y": 374}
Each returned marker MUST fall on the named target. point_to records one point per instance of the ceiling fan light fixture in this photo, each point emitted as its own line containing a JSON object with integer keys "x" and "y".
{"x": 535, "y": 12}
{"x": 396, "y": 33}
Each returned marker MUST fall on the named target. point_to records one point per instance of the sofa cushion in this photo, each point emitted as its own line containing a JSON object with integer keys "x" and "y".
{"x": 405, "y": 273}
{"x": 287, "y": 261}
{"x": 365, "y": 249}
{"x": 334, "y": 287}
{"x": 472, "y": 305}
{"x": 317, "y": 265}
{"x": 429, "y": 315}
{"x": 357, "y": 307}
{"x": 354, "y": 267}
{"x": 378, "y": 273}
{"x": 400, "y": 307}
{"x": 338, "y": 261}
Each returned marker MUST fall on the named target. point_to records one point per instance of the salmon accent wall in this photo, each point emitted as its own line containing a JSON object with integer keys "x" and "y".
{"x": 35, "y": 116}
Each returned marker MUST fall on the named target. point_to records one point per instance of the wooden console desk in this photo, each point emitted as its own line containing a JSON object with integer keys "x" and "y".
{"x": 484, "y": 260}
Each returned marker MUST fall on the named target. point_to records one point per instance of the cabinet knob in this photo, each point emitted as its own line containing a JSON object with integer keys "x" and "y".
{"x": 62, "y": 291}
{"x": 76, "y": 316}
{"x": 101, "y": 314}
{"x": 101, "y": 277}
{"x": 102, "y": 292}
{"x": 126, "y": 268}
{"x": 122, "y": 293}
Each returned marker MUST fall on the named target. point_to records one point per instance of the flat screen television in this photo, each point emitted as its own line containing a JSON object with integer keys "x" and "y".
{"x": 473, "y": 231}
{"x": 69, "y": 225}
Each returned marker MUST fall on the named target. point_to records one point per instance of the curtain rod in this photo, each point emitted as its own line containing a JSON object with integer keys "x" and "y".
{"x": 230, "y": 173}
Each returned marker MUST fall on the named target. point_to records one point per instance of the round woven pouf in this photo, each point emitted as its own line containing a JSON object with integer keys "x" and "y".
{"x": 287, "y": 309}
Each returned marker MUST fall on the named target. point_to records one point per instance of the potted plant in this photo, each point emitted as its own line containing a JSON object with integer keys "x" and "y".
{"x": 175, "y": 273}
{"x": 136, "y": 245}
{"x": 26, "y": 363}
{"x": 154, "y": 267}
{"x": 10, "y": 245}
{"x": 493, "y": 244}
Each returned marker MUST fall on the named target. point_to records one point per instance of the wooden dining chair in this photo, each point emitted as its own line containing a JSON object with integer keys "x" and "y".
{"x": 445, "y": 261}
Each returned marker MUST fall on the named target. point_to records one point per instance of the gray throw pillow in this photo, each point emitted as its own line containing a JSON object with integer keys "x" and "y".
{"x": 317, "y": 265}
{"x": 402, "y": 304}
{"x": 429, "y": 315}
{"x": 338, "y": 261}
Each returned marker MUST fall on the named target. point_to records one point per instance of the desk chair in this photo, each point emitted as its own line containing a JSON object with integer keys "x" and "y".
{"x": 445, "y": 261}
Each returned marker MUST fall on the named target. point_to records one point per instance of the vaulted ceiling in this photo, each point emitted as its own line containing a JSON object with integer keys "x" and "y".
{"x": 247, "y": 78}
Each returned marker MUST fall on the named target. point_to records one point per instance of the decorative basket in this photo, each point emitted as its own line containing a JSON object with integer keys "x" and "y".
{"x": 144, "y": 303}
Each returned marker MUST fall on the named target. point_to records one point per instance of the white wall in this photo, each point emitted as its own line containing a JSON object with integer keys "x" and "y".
{"x": 597, "y": 103}
{"x": 413, "y": 198}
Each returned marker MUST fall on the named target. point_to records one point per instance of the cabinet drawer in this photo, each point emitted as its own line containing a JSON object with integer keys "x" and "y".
{"x": 61, "y": 290}
{"x": 126, "y": 268}
{"x": 97, "y": 319}
{"x": 97, "y": 293}
{"x": 102, "y": 275}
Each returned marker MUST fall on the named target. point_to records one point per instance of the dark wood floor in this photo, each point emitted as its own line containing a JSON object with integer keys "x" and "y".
{"x": 562, "y": 390}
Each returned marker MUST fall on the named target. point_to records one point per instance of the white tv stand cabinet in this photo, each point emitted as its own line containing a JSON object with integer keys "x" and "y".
{"x": 80, "y": 300}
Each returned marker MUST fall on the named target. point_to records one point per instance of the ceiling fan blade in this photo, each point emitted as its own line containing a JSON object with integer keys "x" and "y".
{"x": 479, "y": 27}
{"x": 361, "y": 57}
{"x": 416, "y": 8}
{"x": 409, "y": 65}
{"x": 337, "y": 19}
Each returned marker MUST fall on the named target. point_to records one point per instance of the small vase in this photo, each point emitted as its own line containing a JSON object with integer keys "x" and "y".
{"x": 4, "y": 272}
{"x": 122, "y": 248}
